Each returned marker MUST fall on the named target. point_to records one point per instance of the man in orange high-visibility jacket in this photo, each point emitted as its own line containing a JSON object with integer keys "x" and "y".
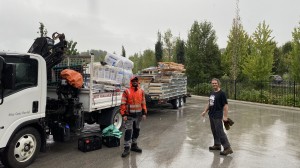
{"x": 133, "y": 110}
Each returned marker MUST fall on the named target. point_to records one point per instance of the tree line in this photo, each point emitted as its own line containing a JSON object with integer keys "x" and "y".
{"x": 246, "y": 57}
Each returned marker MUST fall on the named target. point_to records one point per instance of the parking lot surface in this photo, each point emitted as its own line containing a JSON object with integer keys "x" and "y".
{"x": 262, "y": 136}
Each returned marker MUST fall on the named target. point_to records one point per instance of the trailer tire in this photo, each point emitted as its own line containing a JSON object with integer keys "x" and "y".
{"x": 175, "y": 103}
{"x": 184, "y": 99}
{"x": 23, "y": 148}
{"x": 180, "y": 102}
{"x": 112, "y": 116}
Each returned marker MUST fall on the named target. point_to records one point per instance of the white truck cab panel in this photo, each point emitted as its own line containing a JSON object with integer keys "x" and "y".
{"x": 27, "y": 101}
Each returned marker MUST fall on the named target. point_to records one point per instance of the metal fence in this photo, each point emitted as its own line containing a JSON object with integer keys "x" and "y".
{"x": 286, "y": 93}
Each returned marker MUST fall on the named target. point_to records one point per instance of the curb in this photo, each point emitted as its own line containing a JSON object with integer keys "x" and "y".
{"x": 256, "y": 104}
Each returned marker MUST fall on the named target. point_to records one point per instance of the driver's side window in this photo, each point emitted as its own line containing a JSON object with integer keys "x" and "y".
{"x": 26, "y": 74}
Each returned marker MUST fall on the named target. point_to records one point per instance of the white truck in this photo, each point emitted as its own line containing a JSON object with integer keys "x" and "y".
{"x": 30, "y": 111}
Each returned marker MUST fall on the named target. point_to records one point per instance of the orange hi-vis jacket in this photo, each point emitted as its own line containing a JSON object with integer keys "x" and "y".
{"x": 133, "y": 102}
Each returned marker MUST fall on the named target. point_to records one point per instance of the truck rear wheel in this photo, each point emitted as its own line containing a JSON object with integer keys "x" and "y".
{"x": 23, "y": 148}
{"x": 111, "y": 116}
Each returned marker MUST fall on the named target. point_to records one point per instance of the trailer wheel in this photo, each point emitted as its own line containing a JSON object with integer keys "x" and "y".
{"x": 175, "y": 103}
{"x": 111, "y": 116}
{"x": 184, "y": 99}
{"x": 180, "y": 102}
{"x": 23, "y": 148}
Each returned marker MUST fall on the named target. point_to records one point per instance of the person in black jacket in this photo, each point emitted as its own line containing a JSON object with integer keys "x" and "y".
{"x": 217, "y": 109}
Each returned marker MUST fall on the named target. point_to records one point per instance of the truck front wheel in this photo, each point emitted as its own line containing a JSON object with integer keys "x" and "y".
{"x": 23, "y": 148}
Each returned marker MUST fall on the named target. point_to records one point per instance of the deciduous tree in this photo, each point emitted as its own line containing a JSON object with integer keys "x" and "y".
{"x": 71, "y": 48}
{"x": 236, "y": 50}
{"x": 258, "y": 65}
{"x": 168, "y": 39}
{"x": 295, "y": 59}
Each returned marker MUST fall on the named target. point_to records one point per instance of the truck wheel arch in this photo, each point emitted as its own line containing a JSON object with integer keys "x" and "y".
{"x": 37, "y": 124}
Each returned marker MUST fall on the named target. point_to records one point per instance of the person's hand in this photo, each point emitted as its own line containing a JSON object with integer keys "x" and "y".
{"x": 203, "y": 114}
{"x": 225, "y": 118}
{"x": 124, "y": 118}
{"x": 144, "y": 117}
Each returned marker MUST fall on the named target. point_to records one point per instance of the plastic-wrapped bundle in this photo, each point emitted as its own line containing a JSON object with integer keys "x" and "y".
{"x": 101, "y": 72}
{"x": 118, "y": 61}
{"x": 127, "y": 64}
{"x": 114, "y": 60}
{"x": 96, "y": 70}
{"x": 107, "y": 71}
{"x": 127, "y": 75}
{"x": 119, "y": 75}
{"x": 113, "y": 73}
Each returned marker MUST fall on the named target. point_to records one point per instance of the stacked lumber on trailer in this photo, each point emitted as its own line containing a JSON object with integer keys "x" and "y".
{"x": 171, "y": 66}
{"x": 165, "y": 81}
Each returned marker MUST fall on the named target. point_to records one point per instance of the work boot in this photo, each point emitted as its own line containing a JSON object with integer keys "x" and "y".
{"x": 126, "y": 152}
{"x": 226, "y": 151}
{"x": 215, "y": 147}
{"x": 135, "y": 148}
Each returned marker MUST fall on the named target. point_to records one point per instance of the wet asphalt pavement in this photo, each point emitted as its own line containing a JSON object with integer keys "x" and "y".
{"x": 262, "y": 136}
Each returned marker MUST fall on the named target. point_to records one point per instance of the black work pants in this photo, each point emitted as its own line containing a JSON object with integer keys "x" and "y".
{"x": 220, "y": 137}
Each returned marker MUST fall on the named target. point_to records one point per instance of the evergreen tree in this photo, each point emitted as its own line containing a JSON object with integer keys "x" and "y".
{"x": 209, "y": 51}
{"x": 277, "y": 60}
{"x": 158, "y": 49}
{"x": 180, "y": 51}
{"x": 42, "y": 30}
{"x": 202, "y": 53}
{"x": 123, "y": 52}
{"x": 194, "y": 63}
{"x": 285, "y": 50}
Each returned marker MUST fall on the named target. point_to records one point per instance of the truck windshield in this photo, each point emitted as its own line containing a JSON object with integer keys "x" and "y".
{"x": 26, "y": 72}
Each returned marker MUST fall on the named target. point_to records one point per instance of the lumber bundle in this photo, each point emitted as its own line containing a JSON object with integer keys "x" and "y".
{"x": 165, "y": 81}
{"x": 171, "y": 66}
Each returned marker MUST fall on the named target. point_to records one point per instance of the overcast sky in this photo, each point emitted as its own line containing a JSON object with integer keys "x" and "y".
{"x": 109, "y": 24}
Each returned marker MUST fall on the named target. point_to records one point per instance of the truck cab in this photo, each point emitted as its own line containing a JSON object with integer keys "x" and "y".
{"x": 22, "y": 106}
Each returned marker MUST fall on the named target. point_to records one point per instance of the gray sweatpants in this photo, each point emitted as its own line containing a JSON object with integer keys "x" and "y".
{"x": 220, "y": 138}
{"x": 132, "y": 130}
